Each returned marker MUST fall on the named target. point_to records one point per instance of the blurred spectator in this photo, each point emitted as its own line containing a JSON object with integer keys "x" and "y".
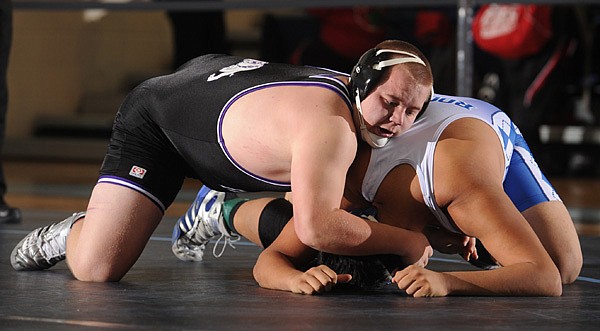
{"x": 7, "y": 213}
{"x": 534, "y": 85}
{"x": 332, "y": 38}
{"x": 197, "y": 33}
{"x": 435, "y": 32}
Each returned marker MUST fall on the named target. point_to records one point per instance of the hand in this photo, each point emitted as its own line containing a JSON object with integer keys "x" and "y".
{"x": 451, "y": 243}
{"x": 469, "y": 250}
{"x": 464, "y": 246}
{"x": 317, "y": 280}
{"x": 420, "y": 282}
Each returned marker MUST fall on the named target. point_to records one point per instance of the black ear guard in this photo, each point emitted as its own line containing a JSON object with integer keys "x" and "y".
{"x": 363, "y": 76}
{"x": 367, "y": 72}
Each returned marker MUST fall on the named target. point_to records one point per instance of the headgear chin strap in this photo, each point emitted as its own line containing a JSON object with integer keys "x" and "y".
{"x": 365, "y": 76}
{"x": 367, "y": 136}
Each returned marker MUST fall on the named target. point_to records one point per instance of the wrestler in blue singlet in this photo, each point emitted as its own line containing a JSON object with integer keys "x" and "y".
{"x": 523, "y": 181}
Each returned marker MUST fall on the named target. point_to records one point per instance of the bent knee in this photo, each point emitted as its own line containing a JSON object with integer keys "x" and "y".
{"x": 88, "y": 270}
{"x": 569, "y": 270}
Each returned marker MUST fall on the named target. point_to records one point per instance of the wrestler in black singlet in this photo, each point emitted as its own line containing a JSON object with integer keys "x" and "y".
{"x": 169, "y": 126}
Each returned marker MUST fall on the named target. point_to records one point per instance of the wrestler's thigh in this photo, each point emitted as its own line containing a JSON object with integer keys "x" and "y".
{"x": 117, "y": 226}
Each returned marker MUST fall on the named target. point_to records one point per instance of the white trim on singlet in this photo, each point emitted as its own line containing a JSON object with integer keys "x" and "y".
{"x": 134, "y": 186}
{"x": 422, "y": 139}
{"x": 545, "y": 187}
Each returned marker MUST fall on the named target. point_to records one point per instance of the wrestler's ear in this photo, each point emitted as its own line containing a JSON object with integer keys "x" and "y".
{"x": 363, "y": 77}
{"x": 426, "y": 104}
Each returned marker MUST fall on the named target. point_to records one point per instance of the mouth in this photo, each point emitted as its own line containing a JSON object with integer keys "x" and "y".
{"x": 382, "y": 132}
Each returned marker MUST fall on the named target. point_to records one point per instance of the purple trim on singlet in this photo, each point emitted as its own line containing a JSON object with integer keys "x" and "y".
{"x": 132, "y": 185}
{"x": 264, "y": 86}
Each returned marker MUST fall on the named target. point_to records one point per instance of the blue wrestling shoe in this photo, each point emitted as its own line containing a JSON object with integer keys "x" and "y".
{"x": 202, "y": 222}
{"x": 43, "y": 247}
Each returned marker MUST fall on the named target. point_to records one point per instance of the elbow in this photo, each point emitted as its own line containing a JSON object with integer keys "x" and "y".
{"x": 263, "y": 274}
{"x": 540, "y": 280}
{"x": 311, "y": 235}
{"x": 551, "y": 284}
{"x": 555, "y": 289}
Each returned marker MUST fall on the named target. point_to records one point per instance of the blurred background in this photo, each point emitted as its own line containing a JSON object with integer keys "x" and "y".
{"x": 72, "y": 62}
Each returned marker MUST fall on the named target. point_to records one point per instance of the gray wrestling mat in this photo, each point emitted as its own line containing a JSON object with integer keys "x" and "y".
{"x": 162, "y": 293}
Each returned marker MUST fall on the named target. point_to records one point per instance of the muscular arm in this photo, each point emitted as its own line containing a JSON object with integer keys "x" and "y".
{"x": 278, "y": 265}
{"x": 470, "y": 187}
{"x": 322, "y": 154}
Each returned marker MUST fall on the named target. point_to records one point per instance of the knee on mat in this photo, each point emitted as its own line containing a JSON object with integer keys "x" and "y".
{"x": 570, "y": 268}
{"x": 87, "y": 271}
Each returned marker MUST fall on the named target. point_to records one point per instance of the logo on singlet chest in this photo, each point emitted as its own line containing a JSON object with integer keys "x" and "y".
{"x": 245, "y": 65}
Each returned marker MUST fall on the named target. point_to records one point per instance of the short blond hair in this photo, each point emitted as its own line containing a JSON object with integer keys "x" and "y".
{"x": 422, "y": 73}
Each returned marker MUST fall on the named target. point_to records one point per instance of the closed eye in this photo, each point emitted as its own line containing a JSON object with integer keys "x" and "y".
{"x": 390, "y": 104}
{"x": 412, "y": 111}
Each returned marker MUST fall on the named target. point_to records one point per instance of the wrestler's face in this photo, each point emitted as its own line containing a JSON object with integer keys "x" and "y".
{"x": 392, "y": 107}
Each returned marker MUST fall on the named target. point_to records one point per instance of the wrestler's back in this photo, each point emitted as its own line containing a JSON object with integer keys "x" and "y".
{"x": 261, "y": 128}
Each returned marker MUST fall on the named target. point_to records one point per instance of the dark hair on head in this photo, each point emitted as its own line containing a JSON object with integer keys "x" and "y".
{"x": 368, "y": 272}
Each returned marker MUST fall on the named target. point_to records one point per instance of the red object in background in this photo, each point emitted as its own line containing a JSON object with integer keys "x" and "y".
{"x": 350, "y": 32}
{"x": 433, "y": 28}
{"x": 512, "y": 31}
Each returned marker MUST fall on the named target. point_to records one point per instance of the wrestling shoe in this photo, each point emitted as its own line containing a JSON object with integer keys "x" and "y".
{"x": 43, "y": 247}
{"x": 202, "y": 222}
{"x": 9, "y": 214}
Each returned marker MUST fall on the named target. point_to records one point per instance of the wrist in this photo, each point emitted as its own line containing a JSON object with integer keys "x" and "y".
{"x": 414, "y": 242}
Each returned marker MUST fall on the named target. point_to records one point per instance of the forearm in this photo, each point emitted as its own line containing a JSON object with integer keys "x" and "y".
{"x": 522, "y": 279}
{"x": 345, "y": 234}
{"x": 274, "y": 271}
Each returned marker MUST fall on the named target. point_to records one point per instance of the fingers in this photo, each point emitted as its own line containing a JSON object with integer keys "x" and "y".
{"x": 413, "y": 280}
{"x": 469, "y": 251}
{"x": 466, "y": 255}
{"x": 427, "y": 253}
{"x": 344, "y": 278}
{"x": 323, "y": 279}
{"x": 320, "y": 279}
{"x": 473, "y": 248}
{"x": 467, "y": 248}
{"x": 405, "y": 279}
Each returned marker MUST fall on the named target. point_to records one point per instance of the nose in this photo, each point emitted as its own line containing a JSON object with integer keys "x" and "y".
{"x": 397, "y": 116}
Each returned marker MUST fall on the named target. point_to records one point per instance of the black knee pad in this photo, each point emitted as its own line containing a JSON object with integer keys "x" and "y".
{"x": 273, "y": 219}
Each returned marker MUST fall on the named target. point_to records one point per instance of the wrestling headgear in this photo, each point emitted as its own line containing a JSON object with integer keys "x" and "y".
{"x": 365, "y": 75}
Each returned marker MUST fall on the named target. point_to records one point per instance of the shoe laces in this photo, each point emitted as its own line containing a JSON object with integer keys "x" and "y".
{"x": 211, "y": 223}
{"x": 228, "y": 240}
{"x": 203, "y": 223}
{"x": 52, "y": 244}
{"x": 216, "y": 217}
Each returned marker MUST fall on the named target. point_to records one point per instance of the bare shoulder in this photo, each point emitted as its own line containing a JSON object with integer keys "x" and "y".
{"x": 323, "y": 101}
{"x": 468, "y": 156}
{"x": 323, "y": 115}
